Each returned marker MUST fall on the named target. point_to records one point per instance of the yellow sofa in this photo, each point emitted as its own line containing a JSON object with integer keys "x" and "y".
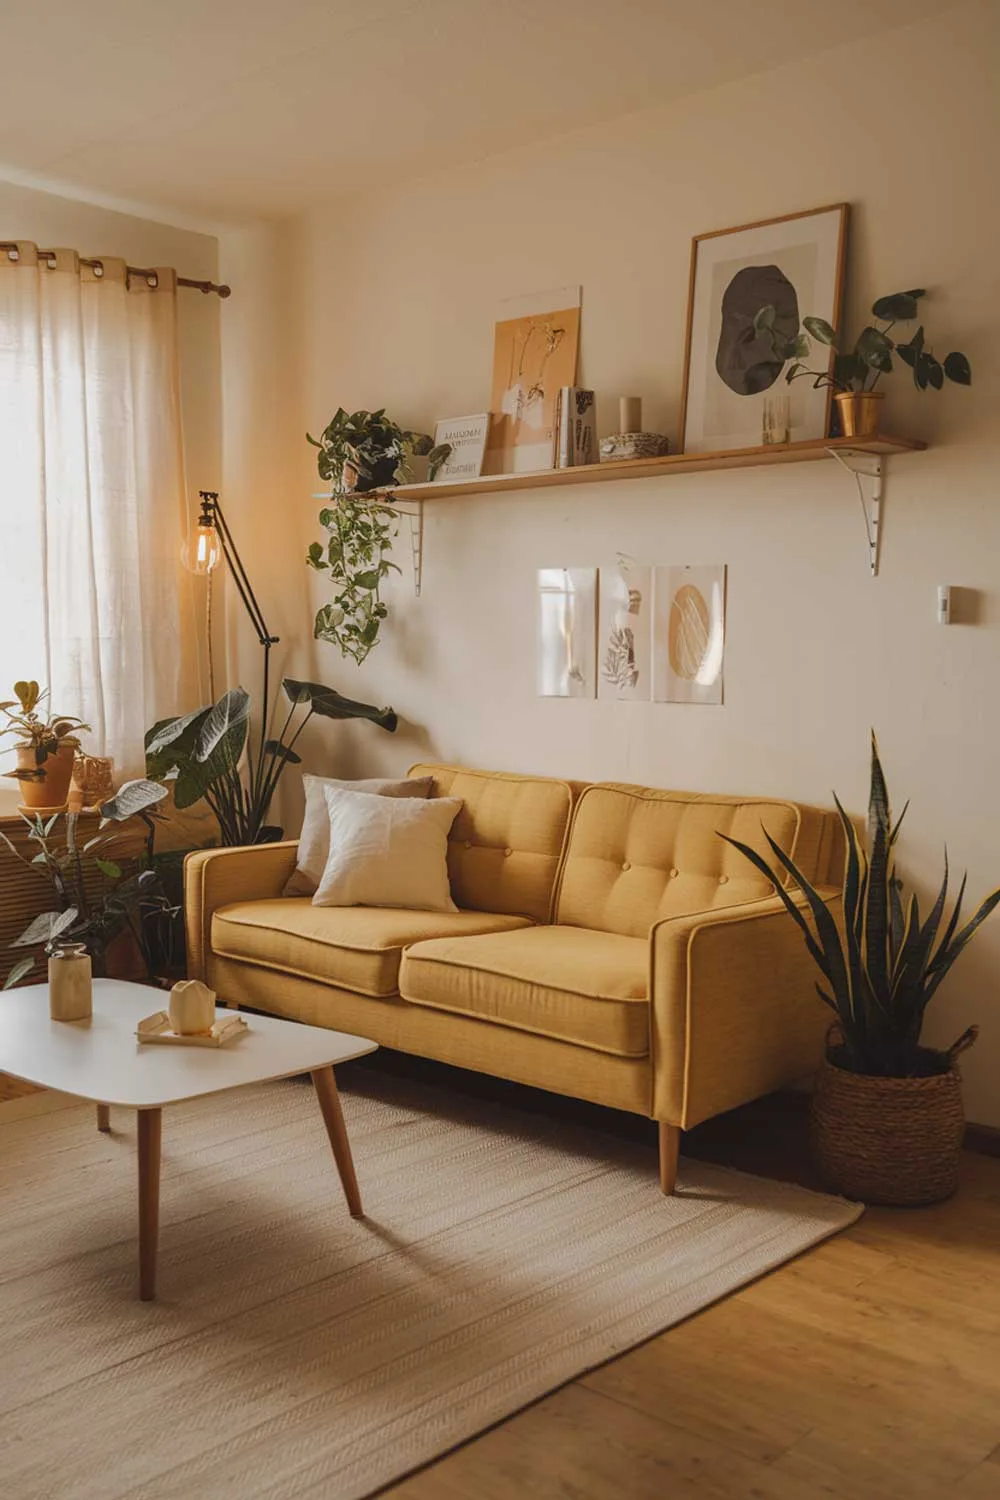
{"x": 608, "y": 945}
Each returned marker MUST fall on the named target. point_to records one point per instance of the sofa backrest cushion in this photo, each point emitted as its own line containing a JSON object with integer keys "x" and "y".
{"x": 636, "y": 855}
{"x": 506, "y": 844}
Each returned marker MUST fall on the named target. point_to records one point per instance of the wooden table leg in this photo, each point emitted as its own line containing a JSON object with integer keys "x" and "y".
{"x": 329, "y": 1102}
{"x": 104, "y": 1117}
{"x": 150, "y": 1123}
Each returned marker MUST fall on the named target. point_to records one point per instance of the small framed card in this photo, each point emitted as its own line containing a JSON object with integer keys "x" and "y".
{"x": 466, "y": 436}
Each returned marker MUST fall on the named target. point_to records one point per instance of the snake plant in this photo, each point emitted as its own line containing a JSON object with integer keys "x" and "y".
{"x": 882, "y": 965}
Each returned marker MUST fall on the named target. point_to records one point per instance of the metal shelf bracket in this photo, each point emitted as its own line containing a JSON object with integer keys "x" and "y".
{"x": 413, "y": 510}
{"x": 866, "y": 466}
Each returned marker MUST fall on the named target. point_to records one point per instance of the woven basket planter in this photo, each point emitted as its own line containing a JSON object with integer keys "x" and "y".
{"x": 888, "y": 1140}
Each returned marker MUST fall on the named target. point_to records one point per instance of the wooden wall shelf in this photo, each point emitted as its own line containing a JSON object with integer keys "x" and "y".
{"x": 862, "y": 457}
{"x": 648, "y": 468}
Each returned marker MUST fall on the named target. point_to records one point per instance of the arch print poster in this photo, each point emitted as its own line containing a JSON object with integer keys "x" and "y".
{"x": 689, "y": 634}
{"x": 735, "y": 393}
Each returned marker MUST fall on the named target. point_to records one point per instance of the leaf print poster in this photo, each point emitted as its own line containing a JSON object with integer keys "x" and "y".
{"x": 625, "y": 645}
{"x": 689, "y": 634}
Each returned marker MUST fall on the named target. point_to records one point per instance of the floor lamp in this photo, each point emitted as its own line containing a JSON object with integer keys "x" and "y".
{"x": 212, "y": 540}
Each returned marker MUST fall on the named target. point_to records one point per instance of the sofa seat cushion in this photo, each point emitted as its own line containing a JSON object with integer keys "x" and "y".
{"x": 356, "y": 947}
{"x": 579, "y": 986}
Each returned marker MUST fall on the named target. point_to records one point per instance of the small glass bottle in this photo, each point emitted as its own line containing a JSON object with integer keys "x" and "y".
{"x": 70, "y": 988}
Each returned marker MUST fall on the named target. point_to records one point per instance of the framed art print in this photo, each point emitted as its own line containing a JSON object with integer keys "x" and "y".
{"x": 567, "y": 632}
{"x": 735, "y": 394}
{"x": 689, "y": 634}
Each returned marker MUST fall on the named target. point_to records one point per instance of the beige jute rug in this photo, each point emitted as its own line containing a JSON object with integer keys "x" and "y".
{"x": 294, "y": 1352}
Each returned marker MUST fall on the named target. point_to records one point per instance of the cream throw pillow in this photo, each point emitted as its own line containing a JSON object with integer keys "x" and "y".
{"x": 387, "y": 851}
{"x": 314, "y": 840}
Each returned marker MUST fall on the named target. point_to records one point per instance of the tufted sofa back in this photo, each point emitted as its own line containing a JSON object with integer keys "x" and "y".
{"x": 636, "y": 855}
{"x": 506, "y": 844}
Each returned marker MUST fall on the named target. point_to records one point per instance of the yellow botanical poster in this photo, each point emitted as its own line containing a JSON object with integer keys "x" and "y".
{"x": 535, "y": 348}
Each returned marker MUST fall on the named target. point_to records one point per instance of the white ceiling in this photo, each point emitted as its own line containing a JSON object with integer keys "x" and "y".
{"x": 227, "y": 109}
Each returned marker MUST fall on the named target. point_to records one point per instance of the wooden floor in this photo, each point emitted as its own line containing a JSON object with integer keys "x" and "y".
{"x": 869, "y": 1369}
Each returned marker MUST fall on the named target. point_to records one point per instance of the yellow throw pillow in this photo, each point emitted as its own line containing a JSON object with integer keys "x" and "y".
{"x": 387, "y": 851}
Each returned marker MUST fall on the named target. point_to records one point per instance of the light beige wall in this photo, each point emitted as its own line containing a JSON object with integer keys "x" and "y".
{"x": 398, "y": 297}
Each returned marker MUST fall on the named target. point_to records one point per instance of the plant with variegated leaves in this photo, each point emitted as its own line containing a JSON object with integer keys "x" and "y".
{"x": 884, "y": 964}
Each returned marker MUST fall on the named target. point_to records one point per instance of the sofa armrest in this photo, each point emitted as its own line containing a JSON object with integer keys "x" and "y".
{"x": 217, "y": 877}
{"x": 734, "y": 1011}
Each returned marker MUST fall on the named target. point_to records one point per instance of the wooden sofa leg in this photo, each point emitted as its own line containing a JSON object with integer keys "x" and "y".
{"x": 670, "y": 1141}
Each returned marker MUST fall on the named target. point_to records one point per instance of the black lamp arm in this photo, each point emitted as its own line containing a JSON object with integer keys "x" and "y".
{"x": 212, "y": 515}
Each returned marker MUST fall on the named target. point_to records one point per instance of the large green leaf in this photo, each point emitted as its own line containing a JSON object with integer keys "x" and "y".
{"x": 132, "y": 798}
{"x": 330, "y": 704}
{"x": 820, "y": 329}
{"x": 17, "y": 973}
{"x": 46, "y": 927}
{"x": 957, "y": 368}
{"x": 171, "y": 741}
{"x": 899, "y": 307}
{"x": 225, "y": 728}
{"x": 874, "y": 349}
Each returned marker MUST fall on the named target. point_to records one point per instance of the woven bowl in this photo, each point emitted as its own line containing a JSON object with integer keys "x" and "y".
{"x": 887, "y": 1140}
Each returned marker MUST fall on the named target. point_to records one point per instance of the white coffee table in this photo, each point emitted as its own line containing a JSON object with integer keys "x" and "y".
{"x": 101, "y": 1060}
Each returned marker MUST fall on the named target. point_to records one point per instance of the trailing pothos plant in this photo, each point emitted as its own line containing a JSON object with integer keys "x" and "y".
{"x": 361, "y": 456}
{"x": 860, "y": 369}
{"x": 213, "y": 753}
{"x": 882, "y": 970}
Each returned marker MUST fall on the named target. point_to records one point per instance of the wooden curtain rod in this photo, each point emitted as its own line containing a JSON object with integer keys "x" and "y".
{"x": 48, "y": 257}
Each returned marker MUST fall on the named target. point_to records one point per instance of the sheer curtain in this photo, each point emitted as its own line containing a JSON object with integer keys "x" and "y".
{"x": 94, "y": 600}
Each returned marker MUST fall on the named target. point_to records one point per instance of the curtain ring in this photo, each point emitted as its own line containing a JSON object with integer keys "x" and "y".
{"x": 153, "y": 281}
{"x": 97, "y": 269}
{"x": 12, "y": 254}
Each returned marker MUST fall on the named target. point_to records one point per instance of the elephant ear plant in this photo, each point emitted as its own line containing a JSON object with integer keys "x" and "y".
{"x": 213, "y": 754}
{"x": 880, "y": 973}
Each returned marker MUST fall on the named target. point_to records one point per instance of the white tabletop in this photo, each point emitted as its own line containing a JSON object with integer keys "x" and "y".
{"x": 101, "y": 1059}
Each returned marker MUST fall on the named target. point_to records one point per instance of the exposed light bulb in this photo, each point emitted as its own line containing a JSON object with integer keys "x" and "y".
{"x": 203, "y": 551}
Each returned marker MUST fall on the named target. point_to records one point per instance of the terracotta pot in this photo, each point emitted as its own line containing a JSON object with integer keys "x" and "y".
{"x": 50, "y": 793}
{"x": 888, "y": 1140}
{"x": 859, "y": 412}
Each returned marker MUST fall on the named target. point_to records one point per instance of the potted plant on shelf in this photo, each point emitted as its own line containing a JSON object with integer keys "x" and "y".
{"x": 361, "y": 456}
{"x": 45, "y": 746}
{"x": 887, "y": 1120}
{"x": 856, "y": 372}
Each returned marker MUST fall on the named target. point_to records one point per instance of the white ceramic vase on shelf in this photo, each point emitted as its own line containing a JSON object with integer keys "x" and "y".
{"x": 70, "y": 987}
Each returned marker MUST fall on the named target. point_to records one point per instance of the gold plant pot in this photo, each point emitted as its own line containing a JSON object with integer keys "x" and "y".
{"x": 859, "y": 412}
{"x": 50, "y": 792}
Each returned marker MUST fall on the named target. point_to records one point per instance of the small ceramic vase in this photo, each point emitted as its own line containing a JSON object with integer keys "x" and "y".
{"x": 70, "y": 988}
{"x": 192, "y": 1007}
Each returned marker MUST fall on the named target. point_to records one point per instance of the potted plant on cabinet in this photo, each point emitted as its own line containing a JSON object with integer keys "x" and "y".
{"x": 45, "y": 747}
{"x": 856, "y": 372}
{"x": 887, "y": 1119}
